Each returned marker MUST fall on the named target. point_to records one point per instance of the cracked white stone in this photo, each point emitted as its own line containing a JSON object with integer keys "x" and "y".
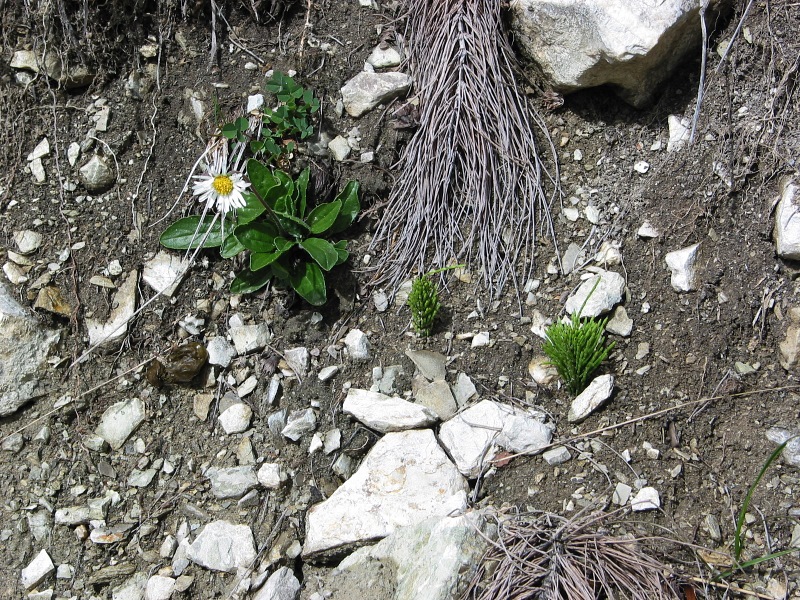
{"x": 236, "y": 418}
{"x": 298, "y": 360}
{"x": 366, "y": 90}
{"x": 682, "y": 264}
{"x": 592, "y": 398}
{"x": 39, "y": 568}
{"x": 474, "y": 436}
{"x": 220, "y": 352}
{"x": 300, "y": 423}
{"x": 339, "y": 148}
{"x": 223, "y": 546}
{"x": 404, "y": 479}
{"x": 159, "y": 588}
{"x": 272, "y": 475}
{"x": 646, "y": 499}
{"x": 250, "y": 338}
{"x": 164, "y": 273}
{"x": 386, "y": 413}
{"x": 679, "y": 132}
{"x": 357, "y": 344}
{"x": 281, "y": 585}
{"x": 231, "y": 482}
{"x": 608, "y": 293}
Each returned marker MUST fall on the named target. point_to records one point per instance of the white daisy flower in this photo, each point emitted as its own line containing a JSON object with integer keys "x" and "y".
{"x": 220, "y": 189}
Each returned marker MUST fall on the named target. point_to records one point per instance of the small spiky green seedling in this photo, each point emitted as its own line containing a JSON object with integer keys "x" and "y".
{"x": 424, "y": 301}
{"x": 577, "y": 348}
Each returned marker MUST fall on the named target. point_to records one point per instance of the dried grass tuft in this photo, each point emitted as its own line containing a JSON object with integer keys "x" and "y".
{"x": 472, "y": 186}
{"x": 546, "y": 556}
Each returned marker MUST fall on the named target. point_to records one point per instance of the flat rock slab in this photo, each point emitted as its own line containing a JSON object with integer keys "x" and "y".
{"x": 432, "y": 365}
{"x": 366, "y": 90}
{"x": 23, "y": 354}
{"x": 474, "y": 436}
{"x": 120, "y": 420}
{"x": 223, "y": 546}
{"x": 231, "y": 482}
{"x": 404, "y": 479}
{"x": 386, "y": 413}
{"x": 164, "y": 273}
{"x": 592, "y": 398}
{"x": 111, "y": 332}
{"x": 632, "y": 45}
{"x": 428, "y": 560}
{"x": 281, "y": 585}
{"x": 598, "y": 300}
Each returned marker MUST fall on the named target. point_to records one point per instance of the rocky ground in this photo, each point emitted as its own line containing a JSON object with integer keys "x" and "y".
{"x": 315, "y": 430}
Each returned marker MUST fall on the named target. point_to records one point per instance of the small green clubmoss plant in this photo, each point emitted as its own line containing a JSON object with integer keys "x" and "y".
{"x": 424, "y": 301}
{"x": 577, "y": 348}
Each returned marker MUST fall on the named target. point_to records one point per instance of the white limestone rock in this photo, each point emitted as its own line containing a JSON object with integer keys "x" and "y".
{"x": 339, "y": 148}
{"x": 366, "y": 90}
{"x": 542, "y": 371}
{"x": 109, "y": 334}
{"x": 250, "y": 338}
{"x": 223, "y": 546}
{"x": 620, "y": 323}
{"x": 23, "y": 354}
{"x": 384, "y": 58}
{"x": 631, "y": 45}
{"x": 159, "y": 588}
{"x": 404, "y": 479}
{"x": 464, "y": 390}
{"x": 556, "y": 456}
{"x": 281, "y": 585}
{"x": 432, "y": 365}
{"x": 682, "y": 264}
{"x": 357, "y": 344}
{"x": 236, "y": 418}
{"x": 96, "y": 175}
{"x": 164, "y": 273}
{"x": 231, "y": 482}
{"x": 272, "y": 475}
{"x": 39, "y": 568}
{"x": 646, "y": 499}
{"x": 220, "y": 352}
{"x": 791, "y": 452}
{"x": 606, "y": 295}
{"x": 474, "y": 436}
{"x": 592, "y": 398}
{"x": 300, "y": 423}
{"x": 386, "y": 413}
{"x": 680, "y": 130}
{"x": 438, "y": 397}
{"x": 298, "y": 360}
{"x": 787, "y": 220}
{"x": 120, "y": 420}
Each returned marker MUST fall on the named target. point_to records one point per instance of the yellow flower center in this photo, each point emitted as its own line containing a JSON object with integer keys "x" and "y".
{"x": 223, "y": 185}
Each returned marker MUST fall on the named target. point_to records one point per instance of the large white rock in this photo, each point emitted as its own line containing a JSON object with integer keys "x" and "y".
{"x": 682, "y": 264}
{"x": 120, "y": 420}
{"x": 223, "y": 546}
{"x": 427, "y": 560}
{"x": 111, "y": 332}
{"x": 281, "y": 585}
{"x": 601, "y": 299}
{"x": 23, "y": 354}
{"x": 631, "y": 45}
{"x": 474, "y": 436}
{"x": 366, "y": 90}
{"x": 405, "y": 479}
{"x": 386, "y": 413}
{"x": 787, "y": 220}
{"x": 39, "y": 568}
{"x": 592, "y": 398}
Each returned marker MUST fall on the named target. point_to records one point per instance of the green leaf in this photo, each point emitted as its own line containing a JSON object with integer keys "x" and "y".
{"x": 323, "y": 216}
{"x": 350, "y": 207}
{"x": 259, "y": 260}
{"x": 292, "y": 225}
{"x": 251, "y": 210}
{"x": 280, "y": 269}
{"x": 261, "y": 178}
{"x": 231, "y": 247}
{"x": 341, "y": 250}
{"x": 258, "y": 236}
{"x": 242, "y": 124}
{"x": 283, "y": 245}
{"x": 280, "y": 197}
{"x": 189, "y": 233}
{"x": 322, "y": 251}
{"x": 309, "y": 282}
{"x": 229, "y": 130}
{"x": 247, "y": 282}
{"x": 300, "y": 187}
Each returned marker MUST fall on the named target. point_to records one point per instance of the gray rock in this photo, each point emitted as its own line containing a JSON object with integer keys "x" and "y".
{"x": 622, "y": 494}
{"x": 647, "y": 231}
{"x": 236, "y": 418}
{"x": 132, "y": 589}
{"x": 438, "y": 398}
{"x": 141, "y": 479}
{"x": 96, "y": 175}
{"x": 39, "y": 568}
{"x": 787, "y": 220}
{"x": 432, "y": 365}
{"x": 620, "y": 323}
{"x": 300, "y": 423}
{"x": 386, "y": 413}
{"x": 357, "y": 345}
{"x": 556, "y": 456}
{"x": 404, "y": 479}
{"x": 542, "y": 371}
{"x": 383, "y": 58}
{"x": 110, "y": 333}
{"x": 328, "y": 373}
{"x": 464, "y": 390}
{"x": 231, "y": 482}
{"x": 281, "y": 585}
{"x": 608, "y": 293}
{"x": 41, "y": 150}
{"x": 78, "y": 75}
{"x": 332, "y": 440}
{"x": 277, "y": 421}
{"x": 73, "y": 153}
{"x": 39, "y": 522}
{"x": 250, "y": 338}
{"x": 220, "y": 352}
{"x": 385, "y": 379}
{"x": 631, "y": 45}
{"x": 480, "y": 339}
{"x": 298, "y": 360}
{"x": 159, "y": 588}
{"x": 427, "y": 560}
{"x": 28, "y": 241}
{"x": 474, "y": 436}
{"x": 789, "y": 348}
{"x": 339, "y": 148}
{"x": 679, "y": 132}
{"x": 164, "y": 273}
{"x": 592, "y": 398}
{"x": 574, "y": 256}
{"x": 366, "y": 90}
{"x": 23, "y": 355}
{"x": 223, "y": 546}
{"x": 120, "y": 420}
{"x": 682, "y": 264}
{"x": 791, "y": 452}
{"x": 13, "y": 443}
{"x": 272, "y": 475}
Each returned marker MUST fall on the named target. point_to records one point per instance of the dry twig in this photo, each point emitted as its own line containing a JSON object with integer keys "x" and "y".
{"x": 471, "y": 185}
